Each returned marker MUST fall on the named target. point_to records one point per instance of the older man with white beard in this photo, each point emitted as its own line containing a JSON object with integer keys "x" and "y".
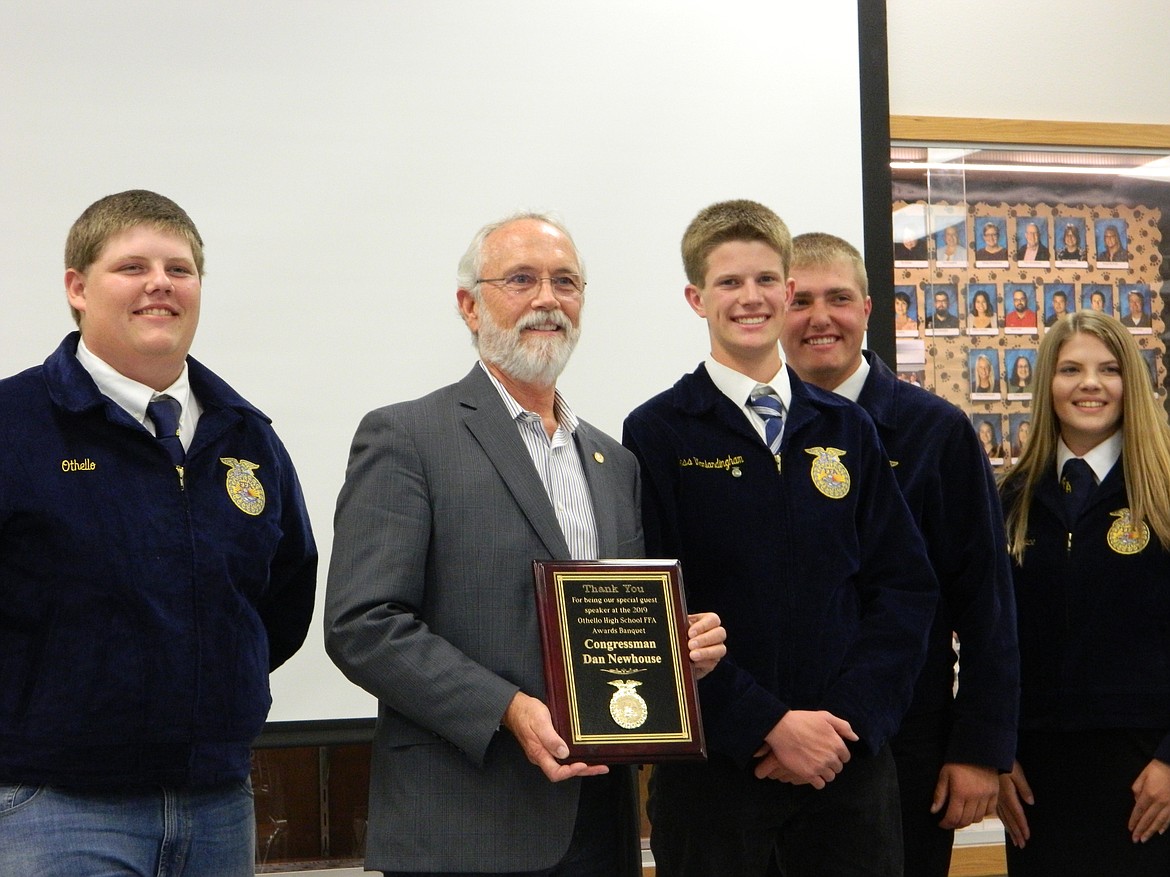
{"x": 447, "y": 501}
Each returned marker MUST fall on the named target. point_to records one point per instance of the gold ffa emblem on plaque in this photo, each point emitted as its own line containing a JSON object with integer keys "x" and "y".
{"x": 626, "y": 706}
{"x": 243, "y": 487}
{"x": 1123, "y": 537}
{"x": 829, "y": 474}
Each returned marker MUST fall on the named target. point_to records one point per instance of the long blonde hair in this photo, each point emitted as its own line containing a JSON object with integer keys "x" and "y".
{"x": 1146, "y": 437}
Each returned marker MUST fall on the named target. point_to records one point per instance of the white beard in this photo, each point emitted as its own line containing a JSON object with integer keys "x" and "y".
{"x": 537, "y": 361}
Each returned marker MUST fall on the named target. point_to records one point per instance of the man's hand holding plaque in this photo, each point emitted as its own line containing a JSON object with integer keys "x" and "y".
{"x": 621, "y": 659}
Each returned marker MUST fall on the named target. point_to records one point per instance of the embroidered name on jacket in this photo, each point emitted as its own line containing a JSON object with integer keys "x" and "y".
{"x": 723, "y": 463}
{"x": 243, "y": 487}
{"x": 86, "y": 465}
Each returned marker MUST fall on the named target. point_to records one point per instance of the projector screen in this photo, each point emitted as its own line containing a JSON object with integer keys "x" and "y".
{"x": 338, "y": 156}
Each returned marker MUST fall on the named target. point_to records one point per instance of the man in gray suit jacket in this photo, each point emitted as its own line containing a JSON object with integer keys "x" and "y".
{"x": 430, "y": 606}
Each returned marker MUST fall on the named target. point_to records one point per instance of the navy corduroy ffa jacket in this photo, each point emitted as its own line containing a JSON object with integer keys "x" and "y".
{"x": 826, "y": 594}
{"x": 948, "y": 484}
{"x": 1094, "y": 616}
{"x": 140, "y": 616}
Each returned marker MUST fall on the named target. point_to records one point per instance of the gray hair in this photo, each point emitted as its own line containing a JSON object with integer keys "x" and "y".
{"x": 472, "y": 261}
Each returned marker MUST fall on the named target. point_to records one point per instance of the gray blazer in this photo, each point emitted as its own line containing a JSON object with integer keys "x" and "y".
{"x": 430, "y": 607}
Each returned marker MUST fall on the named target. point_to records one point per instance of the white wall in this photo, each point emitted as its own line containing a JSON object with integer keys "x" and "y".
{"x": 1061, "y": 60}
{"x": 337, "y": 156}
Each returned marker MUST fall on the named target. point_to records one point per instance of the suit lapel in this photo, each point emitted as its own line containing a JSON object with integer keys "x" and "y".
{"x": 602, "y": 487}
{"x": 487, "y": 419}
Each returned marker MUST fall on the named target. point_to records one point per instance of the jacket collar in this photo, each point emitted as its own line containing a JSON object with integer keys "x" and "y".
{"x": 697, "y": 396}
{"x": 879, "y": 396}
{"x": 71, "y": 387}
{"x": 1111, "y": 491}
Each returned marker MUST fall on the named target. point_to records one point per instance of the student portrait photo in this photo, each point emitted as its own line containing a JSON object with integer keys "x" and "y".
{"x": 991, "y": 236}
{"x": 983, "y": 364}
{"x": 950, "y": 244}
{"x": 1021, "y": 365}
{"x": 944, "y": 316}
{"x": 1097, "y": 297}
{"x": 1135, "y": 308}
{"x": 1150, "y": 357}
{"x": 910, "y": 241}
{"x": 905, "y": 310}
{"x": 982, "y": 309}
{"x": 1058, "y": 302}
{"x": 987, "y": 427}
{"x": 1071, "y": 251}
{"x": 1019, "y": 428}
{"x": 1032, "y": 241}
{"x": 1112, "y": 241}
{"x": 1020, "y": 309}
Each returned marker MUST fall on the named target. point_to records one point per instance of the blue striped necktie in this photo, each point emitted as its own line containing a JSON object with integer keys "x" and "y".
{"x": 766, "y": 404}
{"x": 164, "y": 413}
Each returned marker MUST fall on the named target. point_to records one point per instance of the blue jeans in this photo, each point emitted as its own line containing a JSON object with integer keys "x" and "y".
{"x": 54, "y": 832}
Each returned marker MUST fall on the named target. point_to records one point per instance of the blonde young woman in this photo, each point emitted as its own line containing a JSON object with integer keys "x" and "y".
{"x": 1090, "y": 791}
{"x": 987, "y": 439}
{"x": 983, "y": 381}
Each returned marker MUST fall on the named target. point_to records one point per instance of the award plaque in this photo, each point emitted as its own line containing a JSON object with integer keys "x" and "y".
{"x": 616, "y": 664}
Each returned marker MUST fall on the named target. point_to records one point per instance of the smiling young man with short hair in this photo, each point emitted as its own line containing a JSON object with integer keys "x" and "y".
{"x": 780, "y": 503}
{"x": 949, "y": 749}
{"x": 154, "y": 568}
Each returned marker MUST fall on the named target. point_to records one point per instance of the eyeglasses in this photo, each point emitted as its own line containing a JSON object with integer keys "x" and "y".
{"x": 563, "y": 285}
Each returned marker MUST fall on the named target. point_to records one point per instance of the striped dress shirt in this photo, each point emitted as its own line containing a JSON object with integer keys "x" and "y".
{"x": 559, "y": 466}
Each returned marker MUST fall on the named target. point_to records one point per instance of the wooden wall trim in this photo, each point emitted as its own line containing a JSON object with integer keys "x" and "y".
{"x": 1030, "y": 132}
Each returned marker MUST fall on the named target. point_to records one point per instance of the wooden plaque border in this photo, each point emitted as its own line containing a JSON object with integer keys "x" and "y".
{"x": 571, "y": 681}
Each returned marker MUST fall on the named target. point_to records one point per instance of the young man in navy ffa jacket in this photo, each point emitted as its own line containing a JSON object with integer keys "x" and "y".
{"x": 156, "y": 563}
{"x": 789, "y": 524}
{"x": 951, "y": 747}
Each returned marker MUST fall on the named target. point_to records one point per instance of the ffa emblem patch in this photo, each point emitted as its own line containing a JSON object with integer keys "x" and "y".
{"x": 626, "y": 706}
{"x": 829, "y": 474}
{"x": 243, "y": 487}
{"x": 1123, "y": 537}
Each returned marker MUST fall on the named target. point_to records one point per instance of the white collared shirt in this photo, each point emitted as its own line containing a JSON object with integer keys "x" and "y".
{"x": 739, "y": 388}
{"x": 852, "y": 386}
{"x": 133, "y": 397}
{"x": 559, "y": 466}
{"x": 1100, "y": 459}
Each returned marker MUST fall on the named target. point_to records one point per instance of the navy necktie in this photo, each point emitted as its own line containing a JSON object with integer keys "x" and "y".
{"x": 164, "y": 412}
{"x": 768, "y": 407}
{"x": 1077, "y": 483}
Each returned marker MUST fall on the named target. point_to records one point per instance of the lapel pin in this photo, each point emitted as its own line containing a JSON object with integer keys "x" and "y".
{"x": 598, "y": 456}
